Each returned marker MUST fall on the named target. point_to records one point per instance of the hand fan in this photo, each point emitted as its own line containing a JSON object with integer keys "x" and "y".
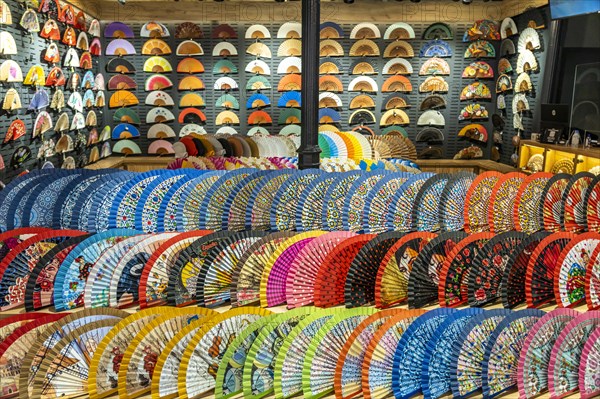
{"x": 184, "y": 274}
{"x": 435, "y": 371}
{"x": 287, "y": 199}
{"x": 9, "y": 240}
{"x": 391, "y": 285}
{"x": 532, "y": 374}
{"x": 399, "y": 214}
{"x": 570, "y": 269}
{"x": 214, "y": 280}
{"x": 539, "y": 280}
{"x": 485, "y": 277}
{"x": 424, "y": 275}
{"x": 468, "y": 352}
{"x": 589, "y": 386}
{"x": 101, "y": 203}
{"x": 202, "y": 356}
{"x": 552, "y": 209}
{"x": 592, "y": 201}
{"x": 573, "y": 206}
{"x": 258, "y": 210}
{"x": 73, "y": 272}
{"x": 592, "y": 281}
{"x": 453, "y": 286}
{"x": 359, "y": 289}
{"x": 229, "y": 378}
{"x": 356, "y": 199}
{"x": 155, "y": 275}
{"x": 10, "y": 323}
{"x": 380, "y": 201}
{"x": 11, "y": 193}
{"x": 289, "y": 362}
{"x": 237, "y": 202}
{"x": 334, "y": 200}
{"x": 172, "y": 199}
{"x": 247, "y": 276}
{"x": 375, "y": 371}
{"x": 499, "y": 369}
{"x": 331, "y": 279}
{"x": 410, "y": 352}
{"x": 477, "y": 202}
{"x": 502, "y": 202}
{"x": 515, "y": 270}
{"x": 426, "y": 207}
{"x": 139, "y": 360}
{"x": 310, "y": 208}
{"x": 528, "y": 203}
{"x": 187, "y": 213}
{"x": 452, "y": 201}
{"x": 324, "y": 350}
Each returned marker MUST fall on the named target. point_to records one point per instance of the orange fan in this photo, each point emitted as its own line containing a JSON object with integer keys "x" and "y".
{"x": 330, "y": 83}
{"x": 69, "y": 37}
{"x": 190, "y": 113}
{"x": 397, "y": 83}
{"x": 289, "y": 83}
{"x": 156, "y": 47}
{"x": 192, "y": 100}
{"x": 190, "y": 65}
{"x": 191, "y": 83}
{"x": 259, "y": 118}
{"x": 123, "y": 98}
{"x": 85, "y": 62}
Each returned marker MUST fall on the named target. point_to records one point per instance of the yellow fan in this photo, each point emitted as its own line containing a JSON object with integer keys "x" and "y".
{"x": 156, "y": 47}
{"x": 36, "y": 76}
{"x": 364, "y": 48}
{"x": 328, "y": 128}
{"x": 227, "y": 118}
{"x": 191, "y": 83}
{"x": 191, "y": 100}
{"x": 259, "y": 50}
{"x": 398, "y": 48}
{"x": 330, "y": 48}
{"x": 157, "y": 64}
{"x": 394, "y": 117}
{"x": 289, "y": 48}
{"x": 189, "y": 47}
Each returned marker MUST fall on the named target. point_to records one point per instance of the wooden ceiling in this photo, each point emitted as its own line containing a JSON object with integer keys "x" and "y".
{"x": 334, "y": 10}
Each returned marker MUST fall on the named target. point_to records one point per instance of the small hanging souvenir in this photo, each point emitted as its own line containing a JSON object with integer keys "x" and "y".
{"x": 50, "y": 30}
{"x": 40, "y": 100}
{"x": 20, "y": 156}
{"x": 58, "y": 100}
{"x": 15, "y": 131}
{"x": 52, "y": 55}
{"x": 30, "y": 22}
{"x": 12, "y": 101}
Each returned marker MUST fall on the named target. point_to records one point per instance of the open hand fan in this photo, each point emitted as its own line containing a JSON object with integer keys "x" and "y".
{"x": 528, "y": 203}
{"x": 592, "y": 281}
{"x": 513, "y": 281}
{"x": 287, "y": 198}
{"x": 10, "y": 193}
{"x": 355, "y": 202}
{"x": 589, "y": 385}
{"x": 203, "y": 354}
{"x": 258, "y": 211}
{"x": 552, "y": 208}
{"x": 17, "y": 207}
{"x": 452, "y": 201}
{"x": 334, "y": 200}
{"x": 100, "y": 204}
{"x": 380, "y": 200}
{"x": 247, "y": 276}
{"x": 499, "y": 371}
{"x": 234, "y": 218}
{"x": 391, "y": 286}
{"x": 592, "y": 203}
{"x": 423, "y": 278}
{"x": 539, "y": 280}
{"x": 399, "y": 217}
{"x": 573, "y": 204}
{"x": 502, "y": 202}
{"x": 324, "y": 350}
{"x": 532, "y": 374}
{"x": 410, "y": 352}
{"x": 425, "y": 210}
{"x": 570, "y": 269}
{"x": 188, "y": 213}
{"x": 172, "y": 199}
{"x": 477, "y": 202}
{"x": 362, "y": 275}
{"x": 9, "y": 324}
{"x": 563, "y": 369}
{"x": 485, "y": 277}
{"x": 309, "y": 215}
{"x": 468, "y": 352}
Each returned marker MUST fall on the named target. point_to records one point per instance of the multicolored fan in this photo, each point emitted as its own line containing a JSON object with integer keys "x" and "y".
{"x": 399, "y": 217}
{"x": 334, "y": 199}
{"x": 310, "y": 208}
{"x": 477, "y": 202}
{"x": 592, "y": 201}
{"x": 258, "y": 210}
{"x": 425, "y": 209}
{"x": 286, "y": 200}
{"x": 452, "y": 201}
{"x": 380, "y": 200}
{"x": 237, "y": 202}
{"x": 528, "y": 202}
{"x": 588, "y": 381}
{"x": 187, "y": 213}
{"x": 573, "y": 205}
{"x": 552, "y": 197}
{"x": 97, "y": 209}
{"x": 502, "y": 202}
{"x": 356, "y": 200}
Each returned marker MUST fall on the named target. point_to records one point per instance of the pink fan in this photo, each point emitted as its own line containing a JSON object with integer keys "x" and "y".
{"x": 303, "y": 273}
{"x": 589, "y": 379}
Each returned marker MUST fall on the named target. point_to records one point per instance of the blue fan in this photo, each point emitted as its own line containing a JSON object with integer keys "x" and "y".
{"x": 425, "y": 211}
{"x": 187, "y": 211}
{"x": 168, "y": 207}
{"x": 435, "y": 374}
{"x": 379, "y": 200}
{"x": 436, "y": 48}
{"x": 399, "y": 216}
{"x": 452, "y": 201}
{"x": 101, "y": 202}
{"x": 73, "y": 272}
{"x": 333, "y": 202}
{"x": 290, "y": 96}
{"x": 11, "y": 208}
{"x": 468, "y": 352}
{"x": 234, "y": 217}
{"x": 411, "y": 350}
{"x": 258, "y": 210}
{"x": 125, "y": 131}
{"x": 333, "y": 25}
{"x": 329, "y": 148}
{"x": 503, "y": 349}
{"x": 355, "y": 201}
{"x": 330, "y": 115}
{"x": 257, "y": 97}
{"x": 310, "y": 207}
{"x": 9, "y": 193}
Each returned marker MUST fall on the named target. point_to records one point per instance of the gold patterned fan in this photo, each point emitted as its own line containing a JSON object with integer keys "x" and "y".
{"x": 364, "y": 48}
{"x": 363, "y": 68}
{"x": 330, "y": 48}
{"x": 399, "y": 48}
{"x": 329, "y": 68}
{"x": 396, "y": 102}
{"x": 362, "y": 101}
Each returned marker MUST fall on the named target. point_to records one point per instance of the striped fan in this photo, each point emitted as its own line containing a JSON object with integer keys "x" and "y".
{"x": 101, "y": 202}
{"x": 214, "y": 280}
{"x": 452, "y": 201}
{"x": 16, "y": 208}
{"x": 589, "y": 387}
{"x": 502, "y": 202}
{"x": 155, "y": 275}
{"x": 485, "y": 278}
{"x": 391, "y": 286}
{"x": 355, "y": 201}
{"x": 237, "y": 202}
{"x": 172, "y": 200}
{"x": 528, "y": 203}
{"x": 247, "y": 276}
{"x": 539, "y": 280}
{"x": 573, "y": 202}
{"x": 551, "y": 210}
{"x": 188, "y": 214}
{"x": 515, "y": 271}
{"x": 310, "y": 208}
{"x": 592, "y": 201}
{"x": 349, "y": 369}
{"x": 468, "y": 352}
{"x": 324, "y": 351}
{"x": 399, "y": 217}
{"x": 426, "y": 207}
{"x": 565, "y": 358}
{"x": 532, "y": 374}
{"x": 334, "y": 200}
{"x": 287, "y": 199}
{"x": 331, "y": 278}
{"x": 380, "y": 200}
{"x": 376, "y": 368}
{"x": 424, "y": 275}
{"x": 435, "y": 371}
{"x": 362, "y": 275}
{"x": 592, "y": 281}
{"x": 499, "y": 371}
{"x": 258, "y": 210}
{"x": 477, "y": 202}
{"x": 570, "y": 269}
{"x": 10, "y": 239}
{"x": 454, "y": 277}
{"x": 12, "y": 193}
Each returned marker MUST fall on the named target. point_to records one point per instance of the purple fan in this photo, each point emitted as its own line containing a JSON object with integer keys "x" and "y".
{"x": 118, "y": 30}
{"x": 120, "y": 47}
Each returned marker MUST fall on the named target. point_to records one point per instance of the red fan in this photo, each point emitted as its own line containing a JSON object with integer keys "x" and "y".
{"x": 11, "y": 323}
{"x": 539, "y": 280}
{"x": 502, "y": 202}
{"x": 10, "y": 239}
{"x": 574, "y": 206}
{"x": 592, "y": 202}
{"x": 477, "y": 202}
{"x": 552, "y": 197}
{"x": 528, "y": 202}
{"x": 331, "y": 279}
{"x": 592, "y": 281}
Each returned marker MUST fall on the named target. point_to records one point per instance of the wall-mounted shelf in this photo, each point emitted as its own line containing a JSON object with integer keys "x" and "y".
{"x": 537, "y": 157}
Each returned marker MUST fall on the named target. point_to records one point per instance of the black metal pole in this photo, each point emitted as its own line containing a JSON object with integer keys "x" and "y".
{"x": 309, "y": 151}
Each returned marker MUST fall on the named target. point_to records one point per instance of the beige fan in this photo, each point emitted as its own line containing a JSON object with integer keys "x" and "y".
{"x": 363, "y": 68}
{"x": 328, "y": 68}
{"x": 290, "y": 48}
{"x": 259, "y": 50}
{"x": 399, "y": 48}
{"x": 362, "y": 101}
{"x": 364, "y": 48}
{"x": 330, "y": 48}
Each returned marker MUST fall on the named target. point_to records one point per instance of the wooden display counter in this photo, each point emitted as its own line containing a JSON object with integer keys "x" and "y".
{"x": 535, "y": 156}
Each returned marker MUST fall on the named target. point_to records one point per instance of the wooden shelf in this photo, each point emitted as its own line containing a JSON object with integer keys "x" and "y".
{"x": 591, "y": 152}
{"x": 583, "y": 159}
